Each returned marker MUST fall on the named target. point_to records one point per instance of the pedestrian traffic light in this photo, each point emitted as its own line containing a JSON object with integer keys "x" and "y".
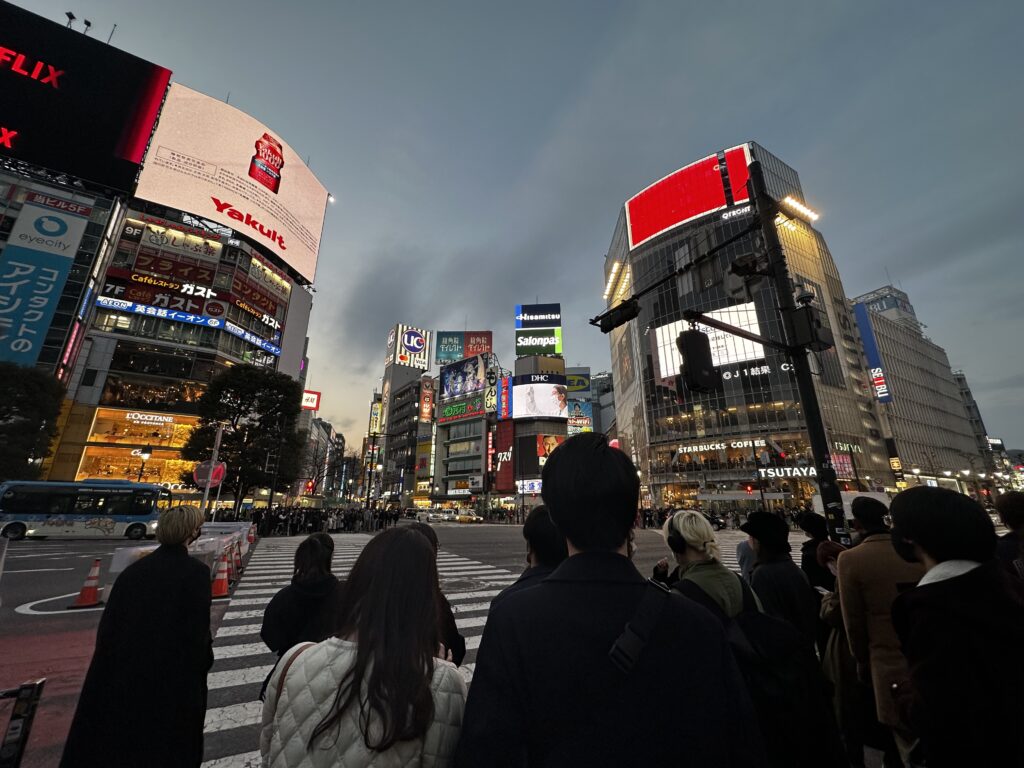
{"x": 309, "y": 486}
{"x": 750, "y": 490}
{"x": 619, "y": 315}
{"x": 698, "y": 369}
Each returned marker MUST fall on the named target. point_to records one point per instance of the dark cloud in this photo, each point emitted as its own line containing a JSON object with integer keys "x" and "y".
{"x": 480, "y": 153}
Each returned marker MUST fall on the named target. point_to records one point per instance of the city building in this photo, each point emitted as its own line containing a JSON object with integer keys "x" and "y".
{"x": 193, "y": 286}
{"x": 747, "y": 444}
{"x": 917, "y": 392}
{"x": 977, "y": 424}
{"x": 603, "y": 397}
{"x": 399, "y": 475}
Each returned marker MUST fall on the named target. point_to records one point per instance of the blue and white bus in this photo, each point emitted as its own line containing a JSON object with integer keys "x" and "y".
{"x": 89, "y": 509}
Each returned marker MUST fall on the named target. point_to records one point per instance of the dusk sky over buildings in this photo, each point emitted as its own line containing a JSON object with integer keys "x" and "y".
{"x": 484, "y": 150}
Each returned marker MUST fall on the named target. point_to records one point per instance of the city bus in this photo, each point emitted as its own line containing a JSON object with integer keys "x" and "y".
{"x": 105, "y": 509}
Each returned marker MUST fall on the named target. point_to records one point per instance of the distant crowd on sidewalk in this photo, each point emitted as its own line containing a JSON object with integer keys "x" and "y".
{"x": 298, "y": 521}
{"x": 904, "y": 649}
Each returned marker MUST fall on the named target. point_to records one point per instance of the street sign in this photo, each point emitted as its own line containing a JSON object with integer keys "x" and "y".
{"x": 202, "y": 474}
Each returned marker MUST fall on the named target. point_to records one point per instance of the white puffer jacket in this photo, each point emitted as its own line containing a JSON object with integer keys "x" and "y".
{"x": 309, "y": 690}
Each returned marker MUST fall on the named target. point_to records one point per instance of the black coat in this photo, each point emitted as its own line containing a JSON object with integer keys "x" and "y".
{"x": 531, "y": 577}
{"x": 449, "y": 630}
{"x": 545, "y": 693}
{"x": 816, "y": 575}
{"x": 786, "y": 594}
{"x": 143, "y": 702}
{"x": 963, "y": 639}
{"x": 303, "y": 612}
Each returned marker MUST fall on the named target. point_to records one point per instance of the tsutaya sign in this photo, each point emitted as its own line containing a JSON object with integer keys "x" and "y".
{"x": 788, "y": 472}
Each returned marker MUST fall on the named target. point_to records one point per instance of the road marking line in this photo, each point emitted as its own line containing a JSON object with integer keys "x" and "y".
{"x": 473, "y": 642}
{"x": 239, "y": 629}
{"x": 41, "y": 570}
{"x": 471, "y": 607}
{"x": 471, "y": 621}
{"x": 243, "y": 615}
{"x": 244, "y": 760}
{"x": 239, "y": 651}
{"x": 472, "y": 595}
{"x": 29, "y": 608}
{"x": 233, "y": 716}
{"x": 250, "y": 601}
{"x": 233, "y": 677}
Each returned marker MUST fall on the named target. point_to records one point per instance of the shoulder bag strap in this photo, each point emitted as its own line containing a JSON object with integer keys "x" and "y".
{"x": 626, "y": 650}
{"x": 284, "y": 672}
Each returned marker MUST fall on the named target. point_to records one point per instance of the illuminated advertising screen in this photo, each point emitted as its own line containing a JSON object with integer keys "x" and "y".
{"x": 34, "y": 266}
{"x": 310, "y": 400}
{"x": 687, "y": 194}
{"x": 426, "y": 400}
{"x": 726, "y": 349}
{"x": 540, "y": 396}
{"x": 504, "y": 469}
{"x": 538, "y": 315}
{"x": 374, "y": 418}
{"x": 450, "y": 346}
{"x": 503, "y": 398}
{"x": 409, "y": 346}
{"x": 876, "y": 369}
{"x": 581, "y": 416}
{"x": 457, "y": 410}
{"x": 538, "y": 341}
{"x": 546, "y": 445}
{"x": 465, "y": 377}
{"x": 217, "y": 162}
{"x": 72, "y": 104}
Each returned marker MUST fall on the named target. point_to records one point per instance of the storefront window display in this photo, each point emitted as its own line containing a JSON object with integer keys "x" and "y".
{"x": 114, "y": 426}
{"x": 124, "y": 463}
{"x": 140, "y": 393}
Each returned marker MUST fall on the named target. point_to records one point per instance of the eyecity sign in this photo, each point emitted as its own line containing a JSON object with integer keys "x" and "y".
{"x": 788, "y": 472}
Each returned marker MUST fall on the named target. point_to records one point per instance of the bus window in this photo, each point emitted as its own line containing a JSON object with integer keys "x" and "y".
{"x": 117, "y": 505}
{"x": 142, "y": 502}
{"x": 165, "y": 501}
{"x": 88, "y": 503}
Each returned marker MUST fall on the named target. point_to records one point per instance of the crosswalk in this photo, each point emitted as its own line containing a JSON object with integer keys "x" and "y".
{"x": 242, "y": 661}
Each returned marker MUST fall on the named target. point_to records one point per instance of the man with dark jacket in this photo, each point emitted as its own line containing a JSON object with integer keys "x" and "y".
{"x": 545, "y": 550}
{"x": 781, "y": 586}
{"x": 143, "y": 702}
{"x": 961, "y": 630}
{"x": 545, "y": 689}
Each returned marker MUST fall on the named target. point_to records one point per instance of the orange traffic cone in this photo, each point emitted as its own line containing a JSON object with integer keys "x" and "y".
{"x": 220, "y": 584}
{"x": 237, "y": 549}
{"x": 89, "y": 597}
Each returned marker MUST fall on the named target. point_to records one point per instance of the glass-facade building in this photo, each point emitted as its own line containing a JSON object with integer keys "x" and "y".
{"x": 746, "y": 445}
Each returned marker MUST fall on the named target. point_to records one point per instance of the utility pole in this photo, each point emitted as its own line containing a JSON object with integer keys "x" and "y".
{"x": 832, "y": 500}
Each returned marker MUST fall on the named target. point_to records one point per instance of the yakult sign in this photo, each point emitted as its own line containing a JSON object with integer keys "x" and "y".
{"x": 210, "y": 159}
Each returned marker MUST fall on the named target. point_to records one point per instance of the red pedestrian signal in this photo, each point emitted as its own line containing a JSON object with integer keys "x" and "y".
{"x": 750, "y": 490}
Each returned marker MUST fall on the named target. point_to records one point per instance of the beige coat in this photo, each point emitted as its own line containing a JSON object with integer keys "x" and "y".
{"x": 871, "y": 575}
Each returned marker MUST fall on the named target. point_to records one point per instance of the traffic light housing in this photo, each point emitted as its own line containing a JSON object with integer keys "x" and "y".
{"x": 698, "y": 370}
{"x": 620, "y": 315}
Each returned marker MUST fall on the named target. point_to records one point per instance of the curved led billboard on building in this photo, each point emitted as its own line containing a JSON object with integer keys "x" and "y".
{"x": 217, "y": 162}
{"x": 689, "y": 193}
{"x": 71, "y": 104}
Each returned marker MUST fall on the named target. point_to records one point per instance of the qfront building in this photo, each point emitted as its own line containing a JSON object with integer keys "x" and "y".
{"x": 211, "y": 266}
{"x": 747, "y": 444}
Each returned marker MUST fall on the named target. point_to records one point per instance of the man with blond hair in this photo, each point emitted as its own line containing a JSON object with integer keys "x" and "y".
{"x": 143, "y": 702}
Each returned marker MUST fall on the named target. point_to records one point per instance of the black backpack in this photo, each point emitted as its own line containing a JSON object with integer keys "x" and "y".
{"x": 789, "y": 693}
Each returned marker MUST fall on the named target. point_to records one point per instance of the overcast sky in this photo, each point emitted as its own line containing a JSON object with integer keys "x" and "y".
{"x": 480, "y": 152}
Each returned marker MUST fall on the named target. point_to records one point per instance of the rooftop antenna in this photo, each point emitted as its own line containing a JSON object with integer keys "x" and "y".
{"x": 227, "y": 99}
{"x": 71, "y": 18}
{"x": 88, "y": 26}
{"x": 111, "y": 35}
{"x": 888, "y": 277}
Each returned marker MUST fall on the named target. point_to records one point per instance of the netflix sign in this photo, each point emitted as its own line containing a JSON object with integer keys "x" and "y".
{"x": 72, "y": 104}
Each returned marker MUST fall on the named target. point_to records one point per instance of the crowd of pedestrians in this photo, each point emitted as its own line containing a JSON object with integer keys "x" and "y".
{"x": 907, "y": 643}
{"x": 298, "y": 521}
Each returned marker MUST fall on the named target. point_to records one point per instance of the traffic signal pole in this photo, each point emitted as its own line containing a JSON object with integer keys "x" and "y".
{"x": 831, "y": 498}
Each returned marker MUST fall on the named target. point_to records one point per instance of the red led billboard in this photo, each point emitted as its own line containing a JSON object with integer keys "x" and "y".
{"x": 504, "y": 469}
{"x": 687, "y": 194}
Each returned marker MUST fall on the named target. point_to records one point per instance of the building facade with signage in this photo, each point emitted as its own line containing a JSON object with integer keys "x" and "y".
{"x": 747, "y": 443}
{"x": 186, "y": 294}
{"x": 916, "y": 389}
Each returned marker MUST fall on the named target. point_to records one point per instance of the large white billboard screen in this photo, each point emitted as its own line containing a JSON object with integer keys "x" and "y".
{"x": 540, "y": 396}
{"x": 726, "y": 349}
{"x": 215, "y": 161}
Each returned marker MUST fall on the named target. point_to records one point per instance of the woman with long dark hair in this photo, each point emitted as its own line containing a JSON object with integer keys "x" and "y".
{"x": 375, "y": 694}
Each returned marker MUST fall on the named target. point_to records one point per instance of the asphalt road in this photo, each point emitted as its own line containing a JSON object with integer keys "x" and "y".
{"x": 46, "y": 640}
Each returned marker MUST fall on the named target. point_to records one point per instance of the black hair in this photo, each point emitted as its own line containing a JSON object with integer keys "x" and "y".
{"x": 592, "y": 492}
{"x": 544, "y": 538}
{"x": 813, "y": 524}
{"x": 389, "y": 605}
{"x": 428, "y": 531}
{"x": 869, "y": 512}
{"x": 312, "y": 559}
{"x": 1010, "y": 507}
{"x": 945, "y": 524}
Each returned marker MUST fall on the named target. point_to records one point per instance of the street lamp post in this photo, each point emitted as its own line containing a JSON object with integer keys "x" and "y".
{"x": 146, "y": 454}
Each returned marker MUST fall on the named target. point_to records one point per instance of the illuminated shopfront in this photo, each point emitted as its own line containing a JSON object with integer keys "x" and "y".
{"x": 117, "y": 439}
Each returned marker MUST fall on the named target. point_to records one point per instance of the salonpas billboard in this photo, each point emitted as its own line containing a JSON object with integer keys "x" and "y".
{"x": 538, "y": 341}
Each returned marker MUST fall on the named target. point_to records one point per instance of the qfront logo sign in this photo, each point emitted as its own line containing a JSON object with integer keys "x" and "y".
{"x": 539, "y": 342}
